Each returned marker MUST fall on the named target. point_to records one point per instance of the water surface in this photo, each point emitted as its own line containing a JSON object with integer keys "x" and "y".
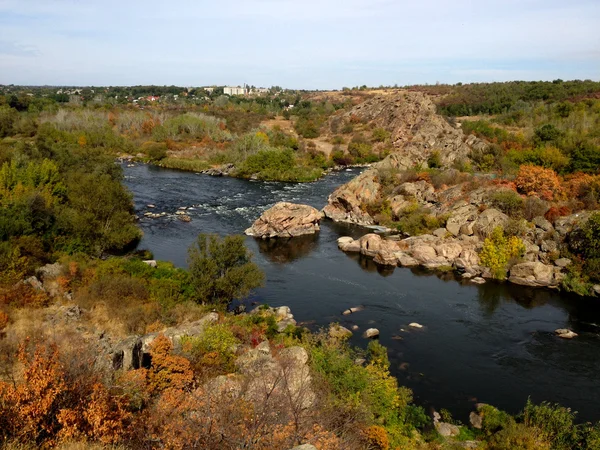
{"x": 492, "y": 343}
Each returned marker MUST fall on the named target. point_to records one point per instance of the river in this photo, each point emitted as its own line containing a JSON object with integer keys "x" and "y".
{"x": 492, "y": 343}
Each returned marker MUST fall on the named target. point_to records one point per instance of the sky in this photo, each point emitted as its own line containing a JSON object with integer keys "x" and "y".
{"x": 296, "y": 44}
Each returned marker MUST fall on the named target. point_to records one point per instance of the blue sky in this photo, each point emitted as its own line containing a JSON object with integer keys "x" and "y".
{"x": 308, "y": 44}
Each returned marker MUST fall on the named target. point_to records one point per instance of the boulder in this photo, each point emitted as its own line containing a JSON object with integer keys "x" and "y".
{"x": 337, "y": 331}
{"x": 353, "y": 310}
{"x": 415, "y": 325}
{"x": 534, "y": 274}
{"x": 151, "y": 262}
{"x": 371, "y": 333}
{"x": 565, "y": 333}
{"x": 405, "y": 260}
{"x": 344, "y": 204}
{"x": 449, "y": 250}
{"x": 347, "y": 244}
{"x": 459, "y": 217}
{"x": 562, "y": 262}
{"x": 386, "y": 257}
{"x": 446, "y": 429}
{"x": 370, "y": 244}
{"x": 286, "y": 220}
{"x": 476, "y": 419}
{"x": 488, "y": 220}
{"x": 543, "y": 223}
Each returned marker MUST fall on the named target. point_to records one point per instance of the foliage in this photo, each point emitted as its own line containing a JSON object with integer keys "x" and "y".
{"x": 533, "y": 180}
{"x": 221, "y": 269}
{"x": 498, "y": 251}
{"x": 435, "y": 160}
{"x": 167, "y": 371}
{"x": 507, "y": 201}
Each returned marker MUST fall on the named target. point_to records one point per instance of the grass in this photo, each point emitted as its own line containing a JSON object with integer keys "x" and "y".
{"x": 192, "y": 165}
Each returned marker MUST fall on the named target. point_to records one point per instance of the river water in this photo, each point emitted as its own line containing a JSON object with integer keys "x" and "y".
{"x": 492, "y": 343}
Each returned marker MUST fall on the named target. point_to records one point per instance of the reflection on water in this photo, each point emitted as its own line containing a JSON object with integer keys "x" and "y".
{"x": 493, "y": 343}
{"x": 281, "y": 251}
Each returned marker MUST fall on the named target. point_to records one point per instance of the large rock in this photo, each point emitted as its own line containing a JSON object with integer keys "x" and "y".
{"x": 460, "y": 217}
{"x": 344, "y": 204}
{"x": 370, "y": 244}
{"x": 286, "y": 220}
{"x": 535, "y": 274}
{"x": 347, "y": 244}
{"x": 488, "y": 220}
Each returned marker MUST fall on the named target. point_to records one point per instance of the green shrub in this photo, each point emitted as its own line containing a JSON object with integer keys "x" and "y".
{"x": 435, "y": 160}
{"x": 555, "y": 422}
{"x": 221, "y": 270}
{"x": 507, "y": 201}
{"x": 217, "y": 339}
{"x": 380, "y": 135}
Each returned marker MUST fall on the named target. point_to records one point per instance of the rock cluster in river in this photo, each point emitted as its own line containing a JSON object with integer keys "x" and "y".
{"x": 286, "y": 220}
{"x": 458, "y": 246}
{"x": 468, "y": 221}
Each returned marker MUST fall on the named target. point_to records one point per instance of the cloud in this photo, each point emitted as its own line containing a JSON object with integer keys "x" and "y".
{"x": 304, "y": 44}
{"x": 16, "y": 49}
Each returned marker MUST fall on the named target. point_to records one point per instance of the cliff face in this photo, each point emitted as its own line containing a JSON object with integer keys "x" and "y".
{"x": 416, "y": 133}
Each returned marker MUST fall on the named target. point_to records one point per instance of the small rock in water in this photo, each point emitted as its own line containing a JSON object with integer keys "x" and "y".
{"x": 354, "y": 327}
{"x": 371, "y": 333}
{"x": 478, "y": 280}
{"x": 415, "y": 325}
{"x": 151, "y": 206}
{"x": 565, "y": 333}
{"x": 182, "y": 208}
{"x": 353, "y": 310}
{"x": 184, "y": 218}
{"x": 397, "y": 338}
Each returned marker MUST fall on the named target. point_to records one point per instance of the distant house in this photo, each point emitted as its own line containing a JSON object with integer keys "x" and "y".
{"x": 230, "y": 90}
{"x": 152, "y": 98}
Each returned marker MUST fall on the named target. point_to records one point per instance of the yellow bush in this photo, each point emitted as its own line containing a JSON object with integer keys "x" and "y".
{"x": 497, "y": 252}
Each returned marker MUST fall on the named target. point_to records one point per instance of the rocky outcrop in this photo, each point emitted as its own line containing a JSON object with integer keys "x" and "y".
{"x": 286, "y": 220}
{"x": 129, "y": 354}
{"x": 535, "y": 274}
{"x": 345, "y": 203}
{"x": 415, "y": 127}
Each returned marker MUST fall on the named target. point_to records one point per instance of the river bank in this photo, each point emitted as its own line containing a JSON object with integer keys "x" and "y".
{"x": 493, "y": 343}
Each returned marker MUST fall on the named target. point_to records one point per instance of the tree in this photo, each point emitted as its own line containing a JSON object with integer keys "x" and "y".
{"x": 221, "y": 269}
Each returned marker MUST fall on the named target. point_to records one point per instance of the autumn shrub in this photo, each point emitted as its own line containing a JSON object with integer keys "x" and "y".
{"x": 166, "y": 369}
{"x": 3, "y": 320}
{"x": 534, "y": 180}
{"x": 498, "y": 251}
{"x": 377, "y": 438}
{"x": 555, "y": 212}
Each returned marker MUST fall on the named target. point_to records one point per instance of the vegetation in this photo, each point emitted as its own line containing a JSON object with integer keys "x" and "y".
{"x": 221, "y": 270}
{"x": 499, "y": 251}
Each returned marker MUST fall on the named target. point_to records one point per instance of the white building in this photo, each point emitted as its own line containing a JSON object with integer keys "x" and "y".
{"x": 230, "y": 90}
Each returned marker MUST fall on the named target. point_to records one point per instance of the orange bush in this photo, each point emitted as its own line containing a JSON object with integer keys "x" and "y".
{"x": 3, "y": 320}
{"x": 555, "y": 212}
{"x": 32, "y": 404}
{"x": 377, "y": 438}
{"x": 168, "y": 370}
{"x": 535, "y": 180}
